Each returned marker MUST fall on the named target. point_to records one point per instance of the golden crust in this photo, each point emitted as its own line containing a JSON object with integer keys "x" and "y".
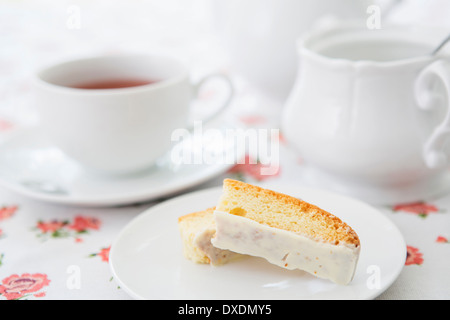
{"x": 197, "y": 214}
{"x": 189, "y": 225}
{"x": 346, "y": 233}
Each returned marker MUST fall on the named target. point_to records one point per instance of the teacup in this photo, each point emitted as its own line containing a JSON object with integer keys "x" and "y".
{"x": 115, "y": 114}
{"x": 369, "y": 110}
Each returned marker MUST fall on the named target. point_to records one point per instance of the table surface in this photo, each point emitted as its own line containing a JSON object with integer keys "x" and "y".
{"x": 42, "y": 245}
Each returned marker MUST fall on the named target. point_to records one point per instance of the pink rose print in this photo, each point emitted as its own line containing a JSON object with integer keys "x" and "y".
{"x": 53, "y": 226}
{"x": 103, "y": 254}
{"x": 82, "y": 224}
{"x": 421, "y": 209}
{"x": 65, "y": 228}
{"x": 441, "y": 239}
{"x": 7, "y": 212}
{"x": 413, "y": 256}
{"x": 252, "y": 119}
{"x": 16, "y": 287}
{"x": 5, "y": 125}
{"x": 252, "y": 169}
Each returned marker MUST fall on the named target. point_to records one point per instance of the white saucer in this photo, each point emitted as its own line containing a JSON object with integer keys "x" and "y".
{"x": 31, "y": 166}
{"x": 147, "y": 261}
{"x": 378, "y": 195}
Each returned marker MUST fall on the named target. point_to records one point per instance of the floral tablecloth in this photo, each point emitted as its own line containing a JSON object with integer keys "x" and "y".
{"x": 50, "y": 251}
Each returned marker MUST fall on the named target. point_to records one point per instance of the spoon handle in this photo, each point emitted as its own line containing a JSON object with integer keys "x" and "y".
{"x": 443, "y": 43}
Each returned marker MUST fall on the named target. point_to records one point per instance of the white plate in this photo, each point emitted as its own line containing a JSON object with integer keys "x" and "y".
{"x": 31, "y": 166}
{"x": 146, "y": 259}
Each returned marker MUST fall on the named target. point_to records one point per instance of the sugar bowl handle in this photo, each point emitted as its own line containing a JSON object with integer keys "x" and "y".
{"x": 428, "y": 99}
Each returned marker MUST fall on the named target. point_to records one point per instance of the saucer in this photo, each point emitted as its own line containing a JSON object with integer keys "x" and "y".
{"x": 32, "y": 166}
{"x": 378, "y": 195}
{"x": 147, "y": 260}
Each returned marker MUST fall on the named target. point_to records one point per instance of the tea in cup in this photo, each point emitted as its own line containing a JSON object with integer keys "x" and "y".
{"x": 115, "y": 114}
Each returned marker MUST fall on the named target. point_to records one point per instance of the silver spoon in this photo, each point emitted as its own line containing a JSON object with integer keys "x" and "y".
{"x": 441, "y": 45}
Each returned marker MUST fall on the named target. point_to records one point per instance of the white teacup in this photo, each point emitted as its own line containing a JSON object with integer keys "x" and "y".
{"x": 116, "y": 130}
{"x": 370, "y": 112}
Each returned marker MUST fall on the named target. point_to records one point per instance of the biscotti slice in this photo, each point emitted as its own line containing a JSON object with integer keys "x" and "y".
{"x": 286, "y": 231}
{"x": 196, "y": 230}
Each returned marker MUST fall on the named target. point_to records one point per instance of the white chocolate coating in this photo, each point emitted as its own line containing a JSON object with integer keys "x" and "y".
{"x": 284, "y": 248}
{"x": 216, "y": 256}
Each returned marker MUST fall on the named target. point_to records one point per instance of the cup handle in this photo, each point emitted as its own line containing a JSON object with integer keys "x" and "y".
{"x": 427, "y": 99}
{"x": 228, "y": 99}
